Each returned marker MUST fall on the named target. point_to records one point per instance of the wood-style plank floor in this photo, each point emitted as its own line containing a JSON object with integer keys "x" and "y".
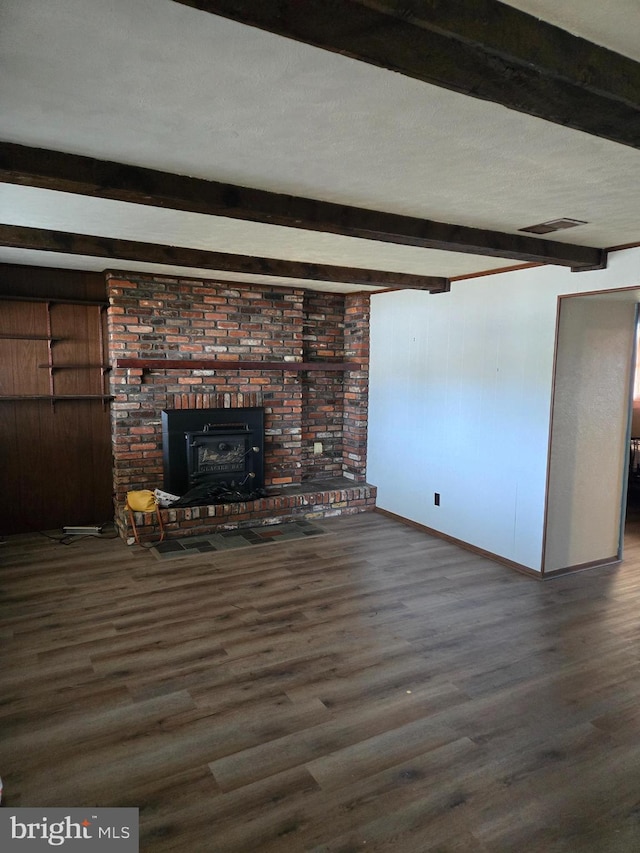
{"x": 374, "y": 689}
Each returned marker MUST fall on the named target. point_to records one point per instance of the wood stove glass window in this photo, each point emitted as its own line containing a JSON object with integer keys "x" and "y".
{"x": 215, "y": 454}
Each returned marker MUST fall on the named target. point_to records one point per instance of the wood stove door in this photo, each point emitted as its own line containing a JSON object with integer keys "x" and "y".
{"x": 219, "y": 456}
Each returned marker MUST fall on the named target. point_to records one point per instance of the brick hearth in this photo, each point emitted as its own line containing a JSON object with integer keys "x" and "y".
{"x": 320, "y": 499}
{"x": 164, "y": 318}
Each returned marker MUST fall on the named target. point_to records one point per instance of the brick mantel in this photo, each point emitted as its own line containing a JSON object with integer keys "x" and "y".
{"x": 216, "y": 364}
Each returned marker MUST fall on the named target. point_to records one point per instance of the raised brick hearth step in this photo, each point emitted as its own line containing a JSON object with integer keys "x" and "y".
{"x": 317, "y": 499}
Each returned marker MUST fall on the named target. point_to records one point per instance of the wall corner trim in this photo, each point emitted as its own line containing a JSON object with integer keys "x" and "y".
{"x": 582, "y": 567}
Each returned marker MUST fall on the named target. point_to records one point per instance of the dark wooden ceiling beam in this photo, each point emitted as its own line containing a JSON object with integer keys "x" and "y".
{"x": 55, "y": 170}
{"x": 481, "y": 48}
{"x": 40, "y": 239}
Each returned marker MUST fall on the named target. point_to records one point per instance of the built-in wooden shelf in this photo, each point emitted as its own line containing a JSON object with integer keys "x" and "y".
{"x": 14, "y": 337}
{"x": 55, "y": 398}
{"x": 99, "y": 304}
{"x": 47, "y": 334}
{"x": 219, "y": 364}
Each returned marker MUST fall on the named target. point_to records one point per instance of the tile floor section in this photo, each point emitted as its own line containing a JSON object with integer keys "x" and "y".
{"x": 225, "y": 540}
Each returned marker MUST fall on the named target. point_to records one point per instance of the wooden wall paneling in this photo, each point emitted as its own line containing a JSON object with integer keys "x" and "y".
{"x": 56, "y": 465}
{"x": 22, "y": 501}
{"x": 82, "y": 428}
{"x": 49, "y": 283}
{"x": 15, "y": 379}
{"x": 72, "y": 438}
{"x": 77, "y": 350}
{"x": 10, "y": 498}
{"x": 19, "y": 355}
{"x": 99, "y": 500}
{"x": 55, "y": 460}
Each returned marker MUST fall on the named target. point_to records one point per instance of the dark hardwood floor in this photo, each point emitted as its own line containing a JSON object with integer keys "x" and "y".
{"x": 374, "y": 689}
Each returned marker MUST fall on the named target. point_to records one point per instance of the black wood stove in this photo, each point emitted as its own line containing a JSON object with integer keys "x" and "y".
{"x": 213, "y": 455}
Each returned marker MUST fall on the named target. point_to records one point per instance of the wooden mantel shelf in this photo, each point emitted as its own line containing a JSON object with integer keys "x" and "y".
{"x": 220, "y": 364}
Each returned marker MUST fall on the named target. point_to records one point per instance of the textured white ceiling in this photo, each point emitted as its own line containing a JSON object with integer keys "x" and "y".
{"x": 612, "y": 23}
{"x": 155, "y": 83}
{"x": 40, "y": 208}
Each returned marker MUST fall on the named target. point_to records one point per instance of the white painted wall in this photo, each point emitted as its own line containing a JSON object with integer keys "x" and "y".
{"x": 460, "y": 399}
{"x": 589, "y": 432}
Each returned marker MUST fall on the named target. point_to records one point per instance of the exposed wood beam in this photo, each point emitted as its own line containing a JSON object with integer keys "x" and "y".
{"x": 481, "y": 48}
{"x": 55, "y": 170}
{"x": 40, "y": 239}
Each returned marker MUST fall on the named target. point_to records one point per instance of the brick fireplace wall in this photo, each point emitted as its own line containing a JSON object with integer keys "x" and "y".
{"x": 305, "y": 412}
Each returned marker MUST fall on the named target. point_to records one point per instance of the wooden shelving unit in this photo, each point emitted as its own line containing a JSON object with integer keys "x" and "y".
{"x": 101, "y": 303}
{"x": 30, "y": 338}
{"x": 50, "y": 365}
{"x": 54, "y": 398}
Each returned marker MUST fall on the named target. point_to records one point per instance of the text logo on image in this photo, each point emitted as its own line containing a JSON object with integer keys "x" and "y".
{"x": 104, "y": 830}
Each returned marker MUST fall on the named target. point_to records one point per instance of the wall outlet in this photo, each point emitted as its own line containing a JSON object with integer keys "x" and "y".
{"x": 436, "y": 498}
{"x": 317, "y": 447}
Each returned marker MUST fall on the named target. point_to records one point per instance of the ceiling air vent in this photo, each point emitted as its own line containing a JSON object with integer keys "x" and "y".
{"x": 553, "y": 225}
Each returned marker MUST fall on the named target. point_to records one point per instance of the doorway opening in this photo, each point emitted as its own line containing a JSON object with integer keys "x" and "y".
{"x": 591, "y": 430}
{"x": 632, "y": 515}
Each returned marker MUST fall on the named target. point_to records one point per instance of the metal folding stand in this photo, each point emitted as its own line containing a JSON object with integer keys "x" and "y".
{"x": 132, "y": 520}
